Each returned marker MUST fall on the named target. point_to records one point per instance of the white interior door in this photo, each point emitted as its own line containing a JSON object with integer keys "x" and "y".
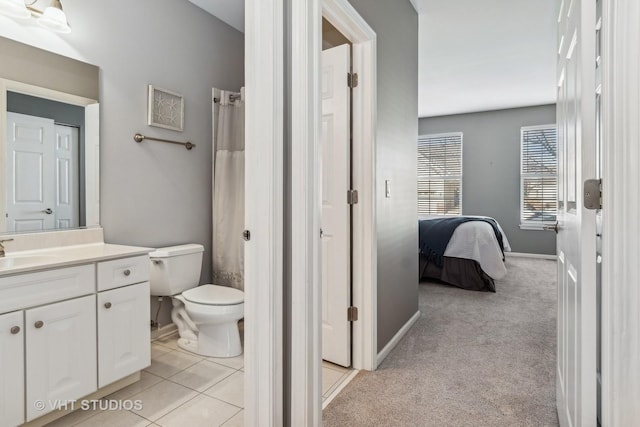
{"x": 576, "y": 358}
{"x": 29, "y": 174}
{"x": 66, "y": 209}
{"x": 336, "y": 181}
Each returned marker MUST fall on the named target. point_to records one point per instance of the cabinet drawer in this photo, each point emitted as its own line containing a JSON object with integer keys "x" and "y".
{"x": 44, "y": 287}
{"x": 123, "y": 272}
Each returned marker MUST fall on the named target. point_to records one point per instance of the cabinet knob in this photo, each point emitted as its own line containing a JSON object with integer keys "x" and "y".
{"x": 127, "y": 272}
{"x": 39, "y": 324}
{"x": 15, "y": 330}
{"x": 107, "y": 305}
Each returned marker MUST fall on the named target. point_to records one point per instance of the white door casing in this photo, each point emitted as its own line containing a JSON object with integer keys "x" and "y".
{"x": 336, "y": 181}
{"x": 576, "y": 351}
{"x": 305, "y": 355}
{"x": 342, "y": 15}
{"x": 621, "y": 203}
{"x": 30, "y": 173}
{"x": 67, "y": 201}
{"x": 306, "y": 200}
{"x": 264, "y": 212}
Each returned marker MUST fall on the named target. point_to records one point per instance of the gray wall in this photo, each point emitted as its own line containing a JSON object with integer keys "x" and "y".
{"x": 491, "y": 167}
{"x": 28, "y": 64}
{"x": 152, "y": 194}
{"x": 396, "y": 27}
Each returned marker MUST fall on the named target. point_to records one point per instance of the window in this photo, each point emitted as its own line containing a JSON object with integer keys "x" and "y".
{"x": 538, "y": 176}
{"x": 440, "y": 174}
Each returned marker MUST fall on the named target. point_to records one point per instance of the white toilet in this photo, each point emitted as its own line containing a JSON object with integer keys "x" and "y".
{"x": 206, "y": 316}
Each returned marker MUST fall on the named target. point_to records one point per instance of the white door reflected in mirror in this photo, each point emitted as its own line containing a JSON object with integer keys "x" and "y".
{"x": 42, "y": 174}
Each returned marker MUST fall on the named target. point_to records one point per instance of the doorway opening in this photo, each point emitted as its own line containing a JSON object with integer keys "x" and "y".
{"x": 344, "y": 26}
{"x": 337, "y": 219}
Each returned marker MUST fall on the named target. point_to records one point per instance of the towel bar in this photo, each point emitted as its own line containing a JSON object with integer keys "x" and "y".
{"x": 138, "y": 137}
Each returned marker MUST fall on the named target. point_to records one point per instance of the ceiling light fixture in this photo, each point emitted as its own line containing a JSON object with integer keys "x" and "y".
{"x": 14, "y": 9}
{"x": 52, "y": 18}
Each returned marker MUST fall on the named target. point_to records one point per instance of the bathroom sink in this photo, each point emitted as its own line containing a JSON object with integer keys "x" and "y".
{"x": 10, "y": 261}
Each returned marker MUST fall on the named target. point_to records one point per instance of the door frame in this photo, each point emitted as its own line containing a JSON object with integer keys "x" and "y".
{"x": 348, "y": 21}
{"x": 306, "y": 366}
{"x": 264, "y": 257}
{"x": 264, "y": 210}
{"x": 620, "y": 226}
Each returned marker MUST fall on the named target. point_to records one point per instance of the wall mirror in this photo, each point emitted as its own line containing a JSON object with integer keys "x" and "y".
{"x": 49, "y": 141}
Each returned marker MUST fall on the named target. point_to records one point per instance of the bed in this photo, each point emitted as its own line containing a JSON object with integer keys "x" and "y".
{"x": 472, "y": 259}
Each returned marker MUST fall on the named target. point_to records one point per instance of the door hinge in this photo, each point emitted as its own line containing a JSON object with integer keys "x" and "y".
{"x": 352, "y": 314}
{"x": 352, "y": 197}
{"x": 352, "y": 80}
{"x": 593, "y": 194}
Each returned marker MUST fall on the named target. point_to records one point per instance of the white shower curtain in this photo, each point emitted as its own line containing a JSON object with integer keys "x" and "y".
{"x": 228, "y": 194}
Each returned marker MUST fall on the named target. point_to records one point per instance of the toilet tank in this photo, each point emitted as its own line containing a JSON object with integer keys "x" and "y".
{"x": 175, "y": 269}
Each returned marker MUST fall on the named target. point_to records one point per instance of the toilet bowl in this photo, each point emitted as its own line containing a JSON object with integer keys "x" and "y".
{"x": 206, "y": 316}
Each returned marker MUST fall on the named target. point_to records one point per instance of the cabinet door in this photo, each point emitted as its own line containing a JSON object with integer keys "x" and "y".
{"x": 61, "y": 353}
{"x": 124, "y": 344}
{"x": 11, "y": 369}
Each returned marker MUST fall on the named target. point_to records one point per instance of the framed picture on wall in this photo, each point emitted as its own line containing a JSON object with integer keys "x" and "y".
{"x": 165, "y": 109}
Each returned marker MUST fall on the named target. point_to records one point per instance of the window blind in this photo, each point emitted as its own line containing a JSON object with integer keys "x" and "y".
{"x": 539, "y": 175}
{"x": 440, "y": 174}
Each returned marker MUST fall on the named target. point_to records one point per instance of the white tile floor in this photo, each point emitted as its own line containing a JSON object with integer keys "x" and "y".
{"x": 183, "y": 389}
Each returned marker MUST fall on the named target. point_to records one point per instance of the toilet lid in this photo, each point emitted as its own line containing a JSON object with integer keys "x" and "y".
{"x": 214, "y": 295}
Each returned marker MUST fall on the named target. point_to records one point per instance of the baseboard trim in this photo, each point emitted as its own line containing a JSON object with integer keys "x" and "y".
{"x": 397, "y": 337}
{"x": 163, "y": 332}
{"x": 527, "y": 255}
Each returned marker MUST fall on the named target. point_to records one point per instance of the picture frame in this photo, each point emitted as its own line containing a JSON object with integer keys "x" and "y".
{"x": 165, "y": 109}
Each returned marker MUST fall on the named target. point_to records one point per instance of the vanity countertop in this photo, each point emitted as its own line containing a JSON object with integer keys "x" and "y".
{"x": 43, "y": 259}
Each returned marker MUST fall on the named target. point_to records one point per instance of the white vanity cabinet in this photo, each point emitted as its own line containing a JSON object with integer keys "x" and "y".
{"x": 60, "y": 353}
{"x": 55, "y": 311}
{"x": 70, "y": 330}
{"x": 11, "y": 369}
{"x": 123, "y": 318}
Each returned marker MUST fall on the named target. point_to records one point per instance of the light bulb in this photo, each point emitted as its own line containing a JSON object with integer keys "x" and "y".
{"x": 55, "y": 19}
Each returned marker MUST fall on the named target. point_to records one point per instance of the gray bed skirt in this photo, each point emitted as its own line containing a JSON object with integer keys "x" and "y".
{"x": 460, "y": 272}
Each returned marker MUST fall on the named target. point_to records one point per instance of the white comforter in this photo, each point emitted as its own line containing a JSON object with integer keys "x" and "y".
{"x": 476, "y": 240}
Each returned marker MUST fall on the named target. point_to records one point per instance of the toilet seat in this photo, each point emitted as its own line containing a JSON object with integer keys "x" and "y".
{"x": 214, "y": 295}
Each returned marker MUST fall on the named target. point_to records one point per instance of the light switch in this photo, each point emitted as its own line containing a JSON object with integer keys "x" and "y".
{"x": 387, "y": 188}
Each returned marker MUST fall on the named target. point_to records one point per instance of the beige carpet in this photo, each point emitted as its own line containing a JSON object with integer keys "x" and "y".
{"x": 472, "y": 359}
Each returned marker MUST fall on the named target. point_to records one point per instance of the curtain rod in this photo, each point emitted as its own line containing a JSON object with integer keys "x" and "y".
{"x": 232, "y": 98}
